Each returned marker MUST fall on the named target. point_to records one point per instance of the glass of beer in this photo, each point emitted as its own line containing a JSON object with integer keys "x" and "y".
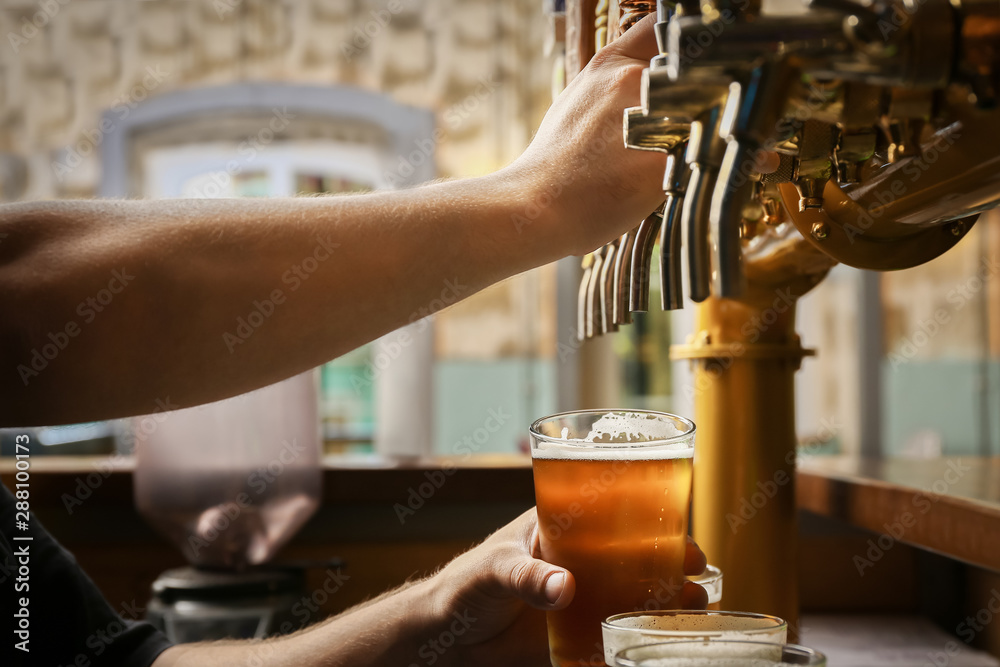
{"x": 612, "y": 492}
{"x": 719, "y": 653}
{"x": 711, "y": 581}
{"x": 642, "y": 628}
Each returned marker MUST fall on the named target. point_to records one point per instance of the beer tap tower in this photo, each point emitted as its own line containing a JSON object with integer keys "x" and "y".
{"x": 796, "y": 137}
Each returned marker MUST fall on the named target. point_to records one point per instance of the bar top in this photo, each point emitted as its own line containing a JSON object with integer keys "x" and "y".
{"x": 947, "y": 505}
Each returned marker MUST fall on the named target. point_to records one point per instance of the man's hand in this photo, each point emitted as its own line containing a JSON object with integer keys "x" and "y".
{"x": 504, "y": 585}
{"x": 590, "y": 187}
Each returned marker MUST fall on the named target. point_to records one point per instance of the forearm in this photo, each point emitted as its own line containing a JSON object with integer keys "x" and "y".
{"x": 195, "y": 300}
{"x": 399, "y": 629}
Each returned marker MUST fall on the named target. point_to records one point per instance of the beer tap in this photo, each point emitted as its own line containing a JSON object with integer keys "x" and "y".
{"x": 674, "y": 183}
{"x": 607, "y": 286}
{"x": 623, "y": 278}
{"x": 749, "y": 122}
{"x": 642, "y": 258}
{"x": 705, "y": 151}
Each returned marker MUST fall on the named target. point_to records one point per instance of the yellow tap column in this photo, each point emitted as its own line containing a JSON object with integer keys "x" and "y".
{"x": 744, "y": 358}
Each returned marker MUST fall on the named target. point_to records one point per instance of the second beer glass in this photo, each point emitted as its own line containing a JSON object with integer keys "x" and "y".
{"x": 613, "y": 490}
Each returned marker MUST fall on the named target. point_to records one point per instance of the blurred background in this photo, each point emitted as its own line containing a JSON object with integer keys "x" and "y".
{"x": 251, "y": 98}
{"x": 267, "y": 98}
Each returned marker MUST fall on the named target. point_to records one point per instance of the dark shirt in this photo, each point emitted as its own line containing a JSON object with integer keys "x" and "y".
{"x": 69, "y": 621}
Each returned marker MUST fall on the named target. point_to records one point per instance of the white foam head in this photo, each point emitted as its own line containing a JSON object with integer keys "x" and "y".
{"x": 654, "y": 627}
{"x": 615, "y": 435}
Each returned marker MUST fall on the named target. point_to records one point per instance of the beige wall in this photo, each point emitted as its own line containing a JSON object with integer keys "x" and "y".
{"x": 478, "y": 64}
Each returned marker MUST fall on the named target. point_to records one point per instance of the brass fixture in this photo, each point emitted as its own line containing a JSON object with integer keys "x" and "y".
{"x": 862, "y": 133}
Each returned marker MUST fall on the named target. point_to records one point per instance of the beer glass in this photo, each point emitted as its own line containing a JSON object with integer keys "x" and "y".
{"x": 612, "y": 491}
{"x": 719, "y": 653}
{"x": 640, "y": 628}
{"x": 711, "y": 581}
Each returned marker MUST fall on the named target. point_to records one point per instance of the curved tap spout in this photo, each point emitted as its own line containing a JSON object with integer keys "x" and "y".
{"x": 623, "y": 277}
{"x": 705, "y": 151}
{"x": 593, "y": 309}
{"x": 642, "y": 258}
{"x": 606, "y": 289}
{"x": 733, "y": 191}
{"x": 582, "y": 297}
{"x": 671, "y": 287}
{"x": 675, "y": 179}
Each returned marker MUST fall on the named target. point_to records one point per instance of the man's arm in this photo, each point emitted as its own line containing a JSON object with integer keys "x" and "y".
{"x": 484, "y": 608}
{"x": 110, "y": 305}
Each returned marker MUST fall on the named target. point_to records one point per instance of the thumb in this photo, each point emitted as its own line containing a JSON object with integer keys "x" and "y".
{"x": 540, "y": 584}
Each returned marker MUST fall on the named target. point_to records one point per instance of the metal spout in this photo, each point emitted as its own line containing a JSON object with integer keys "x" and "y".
{"x": 671, "y": 282}
{"x": 705, "y": 151}
{"x": 582, "y": 298}
{"x": 623, "y": 277}
{"x": 592, "y": 322}
{"x": 606, "y": 287}
{"x": 675, "y": 178}
{"x": 642, "y": 258}
{"x": 733, "y": 191}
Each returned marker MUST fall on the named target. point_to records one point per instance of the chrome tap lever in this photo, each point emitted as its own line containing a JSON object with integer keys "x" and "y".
{"x": 733, "y": 191}
{"x": 623, "y": 278}
{"x": 674, "y": 184}
{"x": 753, "y": 109}
{"x": 582, "y": 297}
{"x": 671, "y": 281}
{"x": 642, "y": 257}
{"x": 593, "y": 310}
{"x": 607, "y": 288}
{"x": 705, "y": 151}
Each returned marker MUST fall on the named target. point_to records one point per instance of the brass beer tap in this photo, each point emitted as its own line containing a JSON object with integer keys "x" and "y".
{"x": 796, "y": 138}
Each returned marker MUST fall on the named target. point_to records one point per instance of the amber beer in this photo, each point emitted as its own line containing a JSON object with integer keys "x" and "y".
{"x": 613, "y": 492}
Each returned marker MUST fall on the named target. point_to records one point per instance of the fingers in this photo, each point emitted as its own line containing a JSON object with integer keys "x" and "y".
{"x": 638, "y": 42}
{"x": 693, "y": 596}
{"x": 694, "y": 559}
{"x": 540, "y": 584}
{"x": 521, "y": 573}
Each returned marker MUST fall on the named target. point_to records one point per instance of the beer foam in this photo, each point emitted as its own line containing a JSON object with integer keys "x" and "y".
{"x": 676, "y": 624}
{"x": 715, "y": 661}
{"x": 619, "y": 436}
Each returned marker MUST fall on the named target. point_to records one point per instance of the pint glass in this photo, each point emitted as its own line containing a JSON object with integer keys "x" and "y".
{"x": 722, "y": 653}
{"x": 711, "y": 581}
{"x": 654, "y": 627}
{"x": 613, "y": 491}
